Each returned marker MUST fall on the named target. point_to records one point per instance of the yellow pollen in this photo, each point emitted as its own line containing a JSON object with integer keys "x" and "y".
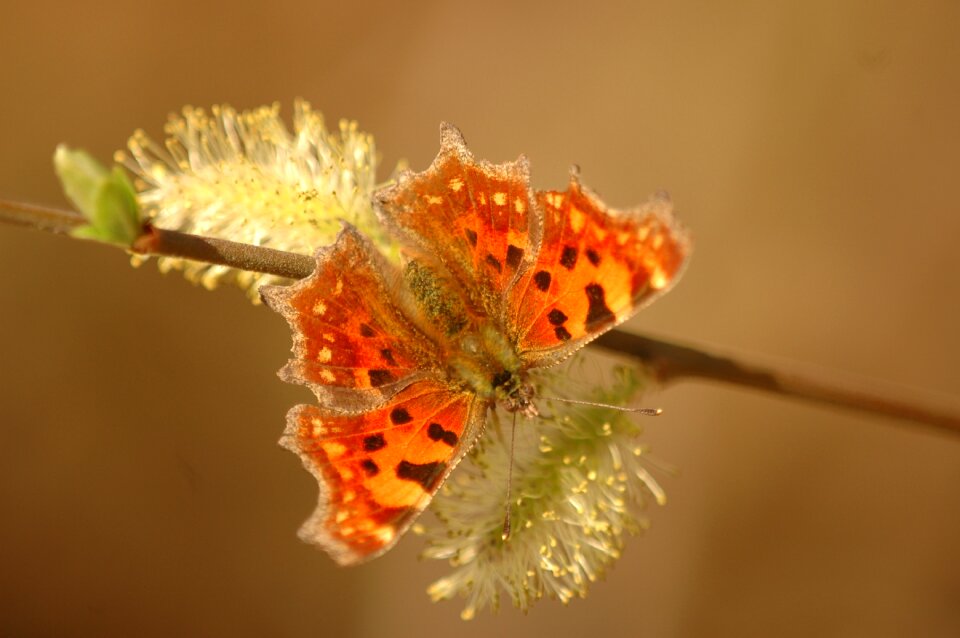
{"x": 500, "y": 198}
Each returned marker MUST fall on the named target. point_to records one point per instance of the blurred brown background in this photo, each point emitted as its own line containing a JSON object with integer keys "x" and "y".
{"x": 811, "y": 147}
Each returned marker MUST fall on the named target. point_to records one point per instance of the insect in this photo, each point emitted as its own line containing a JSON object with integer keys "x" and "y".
{"x": 495, "y": 281}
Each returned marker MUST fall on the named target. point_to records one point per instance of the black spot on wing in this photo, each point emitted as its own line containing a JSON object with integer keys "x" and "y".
{"x": 437, "y": 433}
{"x": 426, "y": 474}
{"x": 562, "y": 333}
{"x": 400, "y": 416}
{"x": 568, "y": 258}
{"x": 374, "y": 442}
{"x": 471, "y": 237}
{"x": 370, "y": 467}
{"x": 388, "y": 356}
{"x": 556, "y": 317}
{"x": 542, "y": 280}
{"x": 514, "y": 255}
{"x": 366, "y": 330}
{"x": 593, "y": 256}
{"x": 379, "y": 377}
{"x": 494, "y": 262}
{"x": 597, "y": 313}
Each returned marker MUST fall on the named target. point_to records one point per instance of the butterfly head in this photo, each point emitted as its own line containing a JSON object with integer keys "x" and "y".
{"x": 519, "y": 398}
{"x": 514, "y": 393}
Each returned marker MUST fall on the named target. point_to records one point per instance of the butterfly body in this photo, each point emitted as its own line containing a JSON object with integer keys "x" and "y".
{"x": 480, "y": 355}
{"x": 497, "y": 280}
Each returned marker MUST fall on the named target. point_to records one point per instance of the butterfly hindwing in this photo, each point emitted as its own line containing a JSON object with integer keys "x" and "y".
{"x": 352, "y": 345}
{"x": 596, "y": 267}
{"x": 378, "y": 470}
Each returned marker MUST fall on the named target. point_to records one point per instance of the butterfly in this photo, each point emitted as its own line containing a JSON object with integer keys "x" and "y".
{"x": 407, "y": 356}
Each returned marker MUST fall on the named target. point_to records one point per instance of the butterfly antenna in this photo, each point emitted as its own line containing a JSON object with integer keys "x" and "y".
{"x": 643, "y": 411}
{"x": 506, "y": 519}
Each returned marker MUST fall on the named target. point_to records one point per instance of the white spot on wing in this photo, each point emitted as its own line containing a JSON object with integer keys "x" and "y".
{"x": 577, "y": 219}
{"x": 385, "y": 534}
{"x": 334, "y": 450}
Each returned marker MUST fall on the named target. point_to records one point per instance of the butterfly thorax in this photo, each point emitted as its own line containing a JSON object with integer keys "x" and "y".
{"x": 488, "y": 364}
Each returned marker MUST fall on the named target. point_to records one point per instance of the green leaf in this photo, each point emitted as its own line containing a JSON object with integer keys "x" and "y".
{"x": 105, "y": 198}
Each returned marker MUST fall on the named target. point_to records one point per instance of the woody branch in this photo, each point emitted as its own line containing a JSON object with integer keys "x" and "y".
{"x": 670, "y": 362}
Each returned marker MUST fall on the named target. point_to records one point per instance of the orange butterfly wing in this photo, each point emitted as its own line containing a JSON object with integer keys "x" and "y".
{"x": 473, "y": 217}
{"x": 595, "y": 269}
{"x": 378, "y": 470}
{"x": 352, "y": 345}
{"x": 556, "y": 268}
{"x": 390, "y": 429}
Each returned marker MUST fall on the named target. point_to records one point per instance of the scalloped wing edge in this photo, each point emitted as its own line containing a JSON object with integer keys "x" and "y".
{"x": 347, "y": 400}
{"x": 660, "y": 206}
{"x": 313, "y": 530}
{"x": 453, "y": 144}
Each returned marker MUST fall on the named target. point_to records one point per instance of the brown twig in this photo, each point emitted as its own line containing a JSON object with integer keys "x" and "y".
{"x": 170, "y": 243}
{"x": 40, "y": 217}
{"x": 670, "y": 362}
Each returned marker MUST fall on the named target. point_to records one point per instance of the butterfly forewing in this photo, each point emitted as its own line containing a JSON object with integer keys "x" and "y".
{"x": 352, "y": 345}
{"x": 475, "y": 218}
{"x": 595, "y": 269}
